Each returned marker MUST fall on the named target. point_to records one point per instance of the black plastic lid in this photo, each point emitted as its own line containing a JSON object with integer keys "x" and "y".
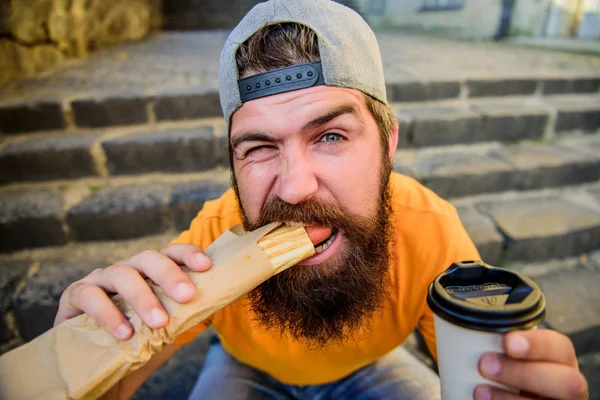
{"x": 478, "y": 296}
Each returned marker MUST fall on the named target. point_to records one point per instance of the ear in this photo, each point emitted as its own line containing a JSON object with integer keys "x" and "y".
{"x": 393, "y": 142}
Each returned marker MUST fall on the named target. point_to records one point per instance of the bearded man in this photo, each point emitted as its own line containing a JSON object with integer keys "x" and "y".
{"x": 311, "y": 140}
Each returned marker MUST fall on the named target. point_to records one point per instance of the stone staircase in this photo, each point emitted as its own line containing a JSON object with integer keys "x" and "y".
{"x": 105, "y": 157}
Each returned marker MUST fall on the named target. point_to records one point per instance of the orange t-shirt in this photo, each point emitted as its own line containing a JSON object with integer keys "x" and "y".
{"x": 429, "y": 237}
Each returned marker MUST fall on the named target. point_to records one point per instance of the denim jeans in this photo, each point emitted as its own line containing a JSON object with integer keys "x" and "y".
{"x": 397, "y": 375}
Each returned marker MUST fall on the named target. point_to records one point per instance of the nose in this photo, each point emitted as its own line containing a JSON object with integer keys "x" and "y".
{"x": 296, "y": 180}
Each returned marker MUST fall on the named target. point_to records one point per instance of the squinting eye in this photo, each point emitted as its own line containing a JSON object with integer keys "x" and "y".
{"x": 255, "y": 149}
{"x": 332, "y": 137}
{"x": 259, "y": 151}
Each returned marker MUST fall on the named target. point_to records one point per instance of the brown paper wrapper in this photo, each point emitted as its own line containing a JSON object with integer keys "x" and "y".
{"x": 79, "y": 360}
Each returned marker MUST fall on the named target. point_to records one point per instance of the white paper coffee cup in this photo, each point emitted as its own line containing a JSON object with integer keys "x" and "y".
{"x": 474, "y": 305}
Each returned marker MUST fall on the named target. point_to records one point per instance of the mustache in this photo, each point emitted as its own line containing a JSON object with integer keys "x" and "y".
{"x": 312, "y": 211}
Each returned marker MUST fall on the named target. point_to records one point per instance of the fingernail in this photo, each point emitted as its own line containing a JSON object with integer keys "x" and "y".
{"x": 158, "y": 317}
{"x": 200, "y": 258}
{"x": 483, "y": 393}
{"x": 518, "y": 345}
{"x": 185, "y": 290}
{"x": 491, "y": 365}
{"x": 123, "y": 331}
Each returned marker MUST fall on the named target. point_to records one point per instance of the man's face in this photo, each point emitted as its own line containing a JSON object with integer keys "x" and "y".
{"x": 314, "y": 156}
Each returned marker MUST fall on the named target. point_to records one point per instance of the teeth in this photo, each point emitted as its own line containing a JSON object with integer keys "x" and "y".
{"x": 325, "y": 245}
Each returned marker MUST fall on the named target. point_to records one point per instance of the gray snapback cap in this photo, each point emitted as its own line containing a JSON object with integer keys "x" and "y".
{"x": 348, "y": 50}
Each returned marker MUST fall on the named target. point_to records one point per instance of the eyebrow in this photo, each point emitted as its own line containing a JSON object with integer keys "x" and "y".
{"x": 330, "y": 116}
{"x": 313, "y": 124}
{"x": 251, "y": 137}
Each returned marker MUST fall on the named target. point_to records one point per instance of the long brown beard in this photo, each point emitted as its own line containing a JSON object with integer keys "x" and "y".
{"x": 327, "y": 303}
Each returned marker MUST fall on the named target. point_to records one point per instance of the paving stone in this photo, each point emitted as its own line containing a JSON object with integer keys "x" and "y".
{"x": 109, "y": 110}
{"x": 442, "y": 126}
{"x": 186, "y": 199}
{"x": 169, "y": 150}
{"x": 36, "y": 304}
{"x": 118, "y": 213}
{"x": 589, "y": 365}
{"x": 512, "y": 121}
{"x": 404, "y": 130}
{"x": 453, "y": 174}
{"x": 186, "y": 103}
{"x": 573, "y": 85}
{"x": 415, "y": 344}
{"x": 11, "y": 273}
{"x": 585, "y": 120}
{"x": 52, "y": 157}
{"x": 573, "y": 299}
{"x": 30, "y": 218}
{"x": 587, "y": 339}
{"x": 545, "y": 227}
{"x": 422, "y": 91}
{"x": 577, "y": 114}
{"x": 484, "y": 234}
{"x": 183, "y": 368}
{"x": 596, "y": 194}
{"x": 178, "y": 59}
{"x": 595, "y": 255}
{"x": 544, "y": 166}
{"x": 31, "y": 116}
{"x": 500, "y": 87}
{"x": 589, "y": 145}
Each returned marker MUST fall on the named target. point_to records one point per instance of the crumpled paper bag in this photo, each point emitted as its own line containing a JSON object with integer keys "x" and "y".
{"x": 79, "y": 360}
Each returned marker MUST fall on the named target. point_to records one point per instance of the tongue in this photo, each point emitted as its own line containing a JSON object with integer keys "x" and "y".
{"x": 317, "y": 234}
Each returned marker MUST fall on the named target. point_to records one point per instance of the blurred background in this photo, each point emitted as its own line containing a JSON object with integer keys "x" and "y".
{"x": 111, "y": 140}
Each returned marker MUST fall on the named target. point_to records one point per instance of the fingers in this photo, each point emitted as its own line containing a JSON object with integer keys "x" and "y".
{"x": 66, "y": 310}
{"x": 133, "y": 288}
{"x": 127, "y": 278}
{"x": 189, "y": 255}
{"x": 165, "y": 273}
{"x": 558, "y": 381}
{"x": 540, "y": 345}
{"x": 91, "y": 299}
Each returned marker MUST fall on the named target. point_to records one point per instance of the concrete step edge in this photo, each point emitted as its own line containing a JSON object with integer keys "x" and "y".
{"x": 467, "y": 170}
{"x": 451, "y": 171}
{"x": 49, "y": 216}
{"x": 202, "y": 144}
{"x": 102, "y": 109}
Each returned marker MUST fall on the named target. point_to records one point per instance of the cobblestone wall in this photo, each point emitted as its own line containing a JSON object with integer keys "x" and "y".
{"x": 37, "y": 34}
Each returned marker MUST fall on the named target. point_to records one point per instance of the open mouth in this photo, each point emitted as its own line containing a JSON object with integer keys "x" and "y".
{"x": 323, "y": 238}
{"x": 323, "y": 245}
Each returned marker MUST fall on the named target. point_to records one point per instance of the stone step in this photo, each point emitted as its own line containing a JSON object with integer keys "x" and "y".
{"x": 527, "y": 225}
{"x": 174, "y": 76}
{"x": 464, "y": 170}
{"x": 201, "y": 144}
{"x": 451, "y": 171}
{"x": 56, "y": 213}
{"x": 31, "y": 283}
{"x": 496, "y": 119}
{"x": 533, "y": 225}
{"x": 101, "y": 108}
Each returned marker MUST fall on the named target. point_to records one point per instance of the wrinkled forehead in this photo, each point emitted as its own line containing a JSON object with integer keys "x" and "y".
{"x": 300, "y": 110}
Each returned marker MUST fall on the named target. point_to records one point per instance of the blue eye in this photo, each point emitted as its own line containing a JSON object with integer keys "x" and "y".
{"x": 332, "y": 138}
